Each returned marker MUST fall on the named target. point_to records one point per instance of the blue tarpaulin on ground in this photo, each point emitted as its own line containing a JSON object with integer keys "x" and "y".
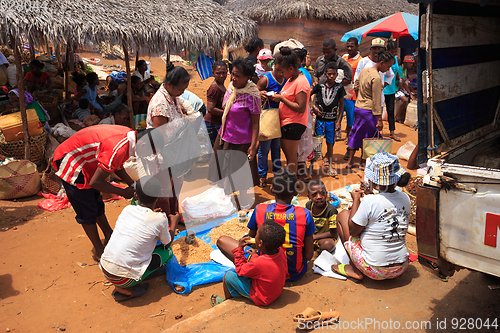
{"x": 195, "y": 274}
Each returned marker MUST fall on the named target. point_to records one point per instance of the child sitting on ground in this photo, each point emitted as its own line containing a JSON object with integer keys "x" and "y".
{"x": 324, "y": 216}
{"x": 83, "y": 109}
{"x": 297, "y": 222}
{"x": 329, "y": 104}
{"x": 132, "y": 254}
{"x": 262, "y": 277}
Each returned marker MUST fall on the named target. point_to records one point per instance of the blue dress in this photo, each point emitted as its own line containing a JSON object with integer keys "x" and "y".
{"x": 91, "y": 96}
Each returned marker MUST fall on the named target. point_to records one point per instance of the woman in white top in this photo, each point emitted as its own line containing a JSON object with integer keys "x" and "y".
{"x": 373, "y": 231}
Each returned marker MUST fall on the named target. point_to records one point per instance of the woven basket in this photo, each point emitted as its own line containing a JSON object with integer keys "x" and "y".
{"x": 411, "y": 190}
{"x": 50, "y": 182}
{"x": 49, "y": 103}
{"x": 16, "y": 148}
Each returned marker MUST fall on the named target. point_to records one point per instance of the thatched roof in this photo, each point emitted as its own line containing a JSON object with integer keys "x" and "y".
{"x": 350, "y": 12}
{"x": 153, "y": 25}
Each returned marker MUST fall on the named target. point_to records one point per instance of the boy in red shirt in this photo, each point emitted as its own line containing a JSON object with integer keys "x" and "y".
{"x": 262, "y": 277}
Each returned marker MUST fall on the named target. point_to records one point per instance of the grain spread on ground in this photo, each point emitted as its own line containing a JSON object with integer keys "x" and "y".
{"x": 232, "y": 228}
{"x": 194, "y": 253}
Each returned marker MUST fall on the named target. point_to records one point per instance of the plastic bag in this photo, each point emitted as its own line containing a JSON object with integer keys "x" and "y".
{"x": 405, "y": 151}
{"x": 52, "y": 202}
{"x": 193, "y": 275}
{"x": 211, "y": 203}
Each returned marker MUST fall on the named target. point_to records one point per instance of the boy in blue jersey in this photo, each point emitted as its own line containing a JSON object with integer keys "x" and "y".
{"x": 297, "y": 222}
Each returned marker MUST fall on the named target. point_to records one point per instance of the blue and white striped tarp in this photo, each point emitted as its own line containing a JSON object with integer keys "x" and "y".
{"x": 204, "y": 66}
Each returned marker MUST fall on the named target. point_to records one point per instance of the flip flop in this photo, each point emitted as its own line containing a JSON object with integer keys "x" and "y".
{"x": 218, "y": 300}
{"x": 395, "y": 138}
{"x": 308, "y": 315}
{"x": 331, "y": 316}
{"x": 341, "y": 270}
{"x": 333, "y": 173}
{"x": 139, "y": 290}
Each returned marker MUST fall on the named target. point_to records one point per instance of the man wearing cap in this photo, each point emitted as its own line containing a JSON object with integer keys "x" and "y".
{"x": 404, "y": 92}
{"x": 329, "y": 55}
{"x": 370, "y": 61}
{"x": 373, "y": 231}
{"x": 265, "y": 56}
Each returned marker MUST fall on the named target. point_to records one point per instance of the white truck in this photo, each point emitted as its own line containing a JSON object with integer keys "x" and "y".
{"x": 458, "y": 205}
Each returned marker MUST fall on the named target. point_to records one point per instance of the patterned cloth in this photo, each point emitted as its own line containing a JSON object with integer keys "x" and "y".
{"x": 355, "y": 251}
{"x": 164, "y": 105}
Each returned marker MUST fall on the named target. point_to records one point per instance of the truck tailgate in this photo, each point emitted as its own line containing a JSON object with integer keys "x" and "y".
{"x": 468, "y": 221}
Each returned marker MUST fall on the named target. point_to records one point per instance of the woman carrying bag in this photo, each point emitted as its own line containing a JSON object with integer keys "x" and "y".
{"x": 368, "y": 108}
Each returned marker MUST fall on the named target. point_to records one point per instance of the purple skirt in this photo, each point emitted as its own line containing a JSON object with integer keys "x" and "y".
{"x": 365, "y": 126}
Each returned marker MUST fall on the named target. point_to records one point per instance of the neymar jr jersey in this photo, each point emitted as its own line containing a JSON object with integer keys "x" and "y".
{"x": 298, "y": 224}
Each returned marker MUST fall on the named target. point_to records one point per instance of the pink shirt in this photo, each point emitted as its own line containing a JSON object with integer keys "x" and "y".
{"x": 238, "y": 127}
{"x": 290, "y": 91}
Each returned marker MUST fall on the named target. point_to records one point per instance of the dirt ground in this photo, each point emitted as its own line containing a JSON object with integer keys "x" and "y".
{"x": 48, "y": 281}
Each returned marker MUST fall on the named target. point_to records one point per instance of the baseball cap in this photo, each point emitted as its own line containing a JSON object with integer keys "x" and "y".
{"x": 265, "y": 54}
{"x": 409, "y": 58}
{"x": 378, "y": 42}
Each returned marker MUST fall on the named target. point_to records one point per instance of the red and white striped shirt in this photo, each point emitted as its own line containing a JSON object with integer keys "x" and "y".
{"x": 105, "y": 146}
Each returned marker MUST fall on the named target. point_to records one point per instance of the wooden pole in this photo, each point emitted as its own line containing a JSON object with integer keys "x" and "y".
{"x": 129, "y": 85}
{"x": 136, "y": 58}
{"x": 66, "y": 74}
{"x": 71, "y": 60}
{"x": 22, "y": 104}
{"x": 32, "y": 48}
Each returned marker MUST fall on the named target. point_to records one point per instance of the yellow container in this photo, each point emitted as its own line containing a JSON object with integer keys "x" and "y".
{"x": 11, "y": 125}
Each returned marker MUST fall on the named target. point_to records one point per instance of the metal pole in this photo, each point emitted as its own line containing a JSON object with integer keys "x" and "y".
{"x": 430, "y": 101}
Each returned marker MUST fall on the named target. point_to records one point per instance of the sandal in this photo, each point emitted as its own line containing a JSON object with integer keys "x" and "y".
{"x": 139, "y": 290}
{"x": 333, "y": 173}
{"x": 341, "y": 271}
{"x": 331, "y": 316}
{"x": 308, "y": 315}
{"x": 395, "y": 138}
{"x": 216, "y": 300}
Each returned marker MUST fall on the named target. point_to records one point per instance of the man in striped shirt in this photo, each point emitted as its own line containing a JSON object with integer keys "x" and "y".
{"x": 84, "y": 162}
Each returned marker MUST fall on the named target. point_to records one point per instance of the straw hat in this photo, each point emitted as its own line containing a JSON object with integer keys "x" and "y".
{"x": 384, "y": 169}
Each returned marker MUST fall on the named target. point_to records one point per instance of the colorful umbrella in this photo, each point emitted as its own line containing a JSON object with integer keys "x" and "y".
{"x": 400, "y": 24}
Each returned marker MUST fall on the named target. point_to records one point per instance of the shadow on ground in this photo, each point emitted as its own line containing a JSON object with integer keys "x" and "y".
{"x": 454, "y": 311}
{"x": 14, "y": 213}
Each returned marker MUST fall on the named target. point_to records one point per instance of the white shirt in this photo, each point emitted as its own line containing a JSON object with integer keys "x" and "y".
{"x": 385, "y": 217}
{"x": 367, "y": 62}
{"x": 129, "y": 251}
{"x": 146, "y": 76}
{"x": 108, "y": 121}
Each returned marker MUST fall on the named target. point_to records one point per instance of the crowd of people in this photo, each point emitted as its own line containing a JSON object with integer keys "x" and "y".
{"x": 282, "y": 237}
